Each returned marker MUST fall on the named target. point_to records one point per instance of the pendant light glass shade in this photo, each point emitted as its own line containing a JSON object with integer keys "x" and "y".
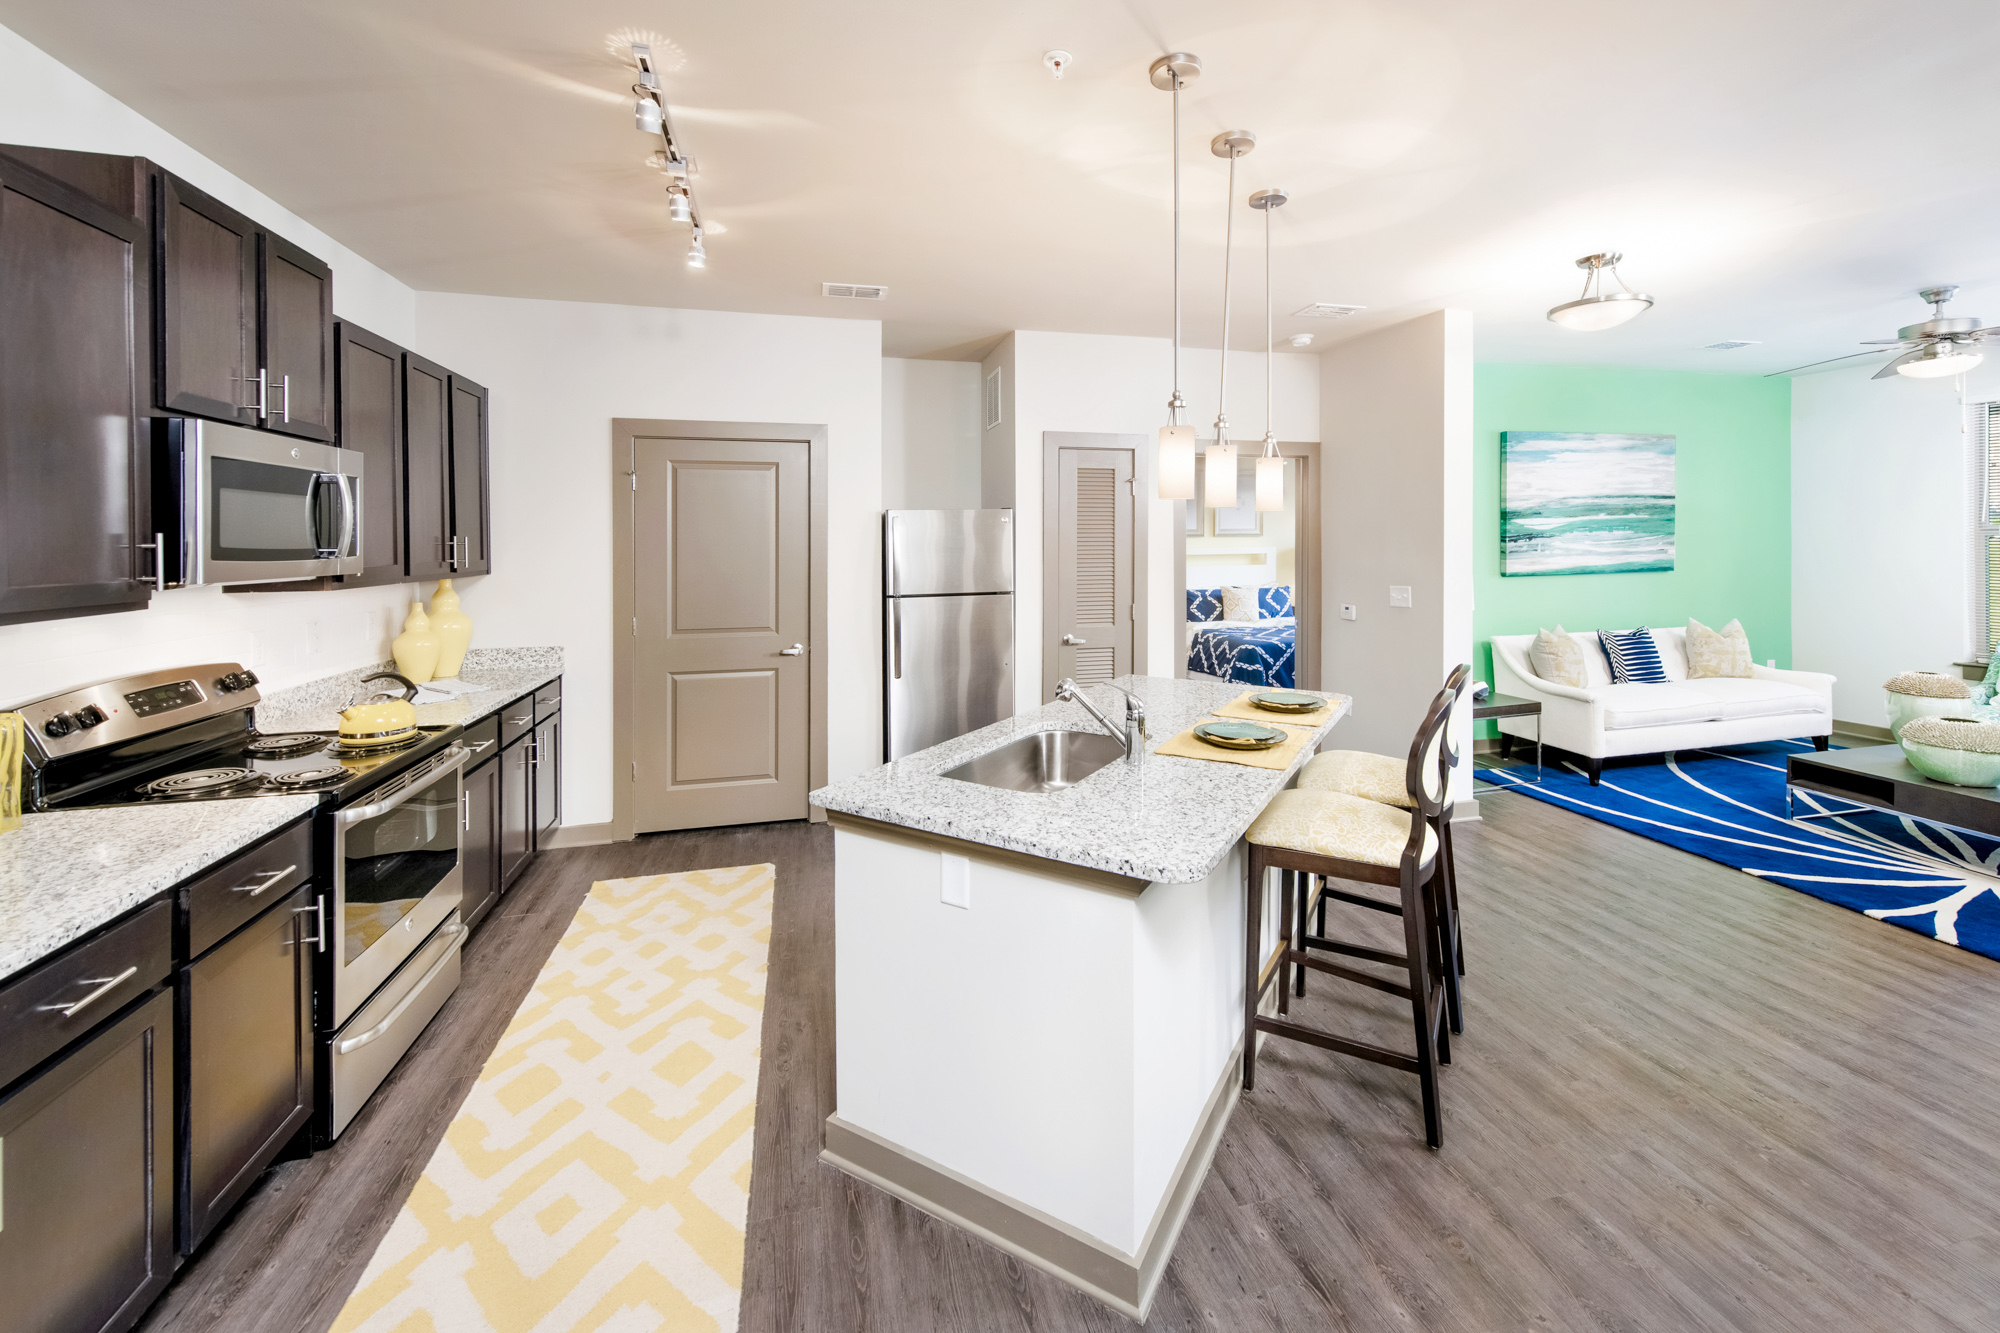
{"x": 1939, "y": 360}
{"x": 1270, "y": 484}
{"x": 1219, "y": 481}
{"x": 1177, "y": 462}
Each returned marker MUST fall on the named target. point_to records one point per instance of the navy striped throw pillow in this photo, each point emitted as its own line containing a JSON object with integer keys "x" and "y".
{"x": 1634, "y": 657}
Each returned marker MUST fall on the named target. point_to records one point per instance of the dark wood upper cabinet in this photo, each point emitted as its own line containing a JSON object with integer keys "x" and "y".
{"x": 470, "y": 548}
{"x": 206, "y": 342}
{"x": 368, "y": 385}
{"x": 295, "y": 339}
{"x": 427, "y": 438}
{"x": 72, "y": 465}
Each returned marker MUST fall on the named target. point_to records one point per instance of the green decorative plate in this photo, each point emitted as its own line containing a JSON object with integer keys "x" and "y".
{"x": 1240, "y": 735}
{"x": 1288, "y": 701}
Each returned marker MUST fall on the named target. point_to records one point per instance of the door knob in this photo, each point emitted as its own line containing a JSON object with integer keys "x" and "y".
{"x": 1071, "y": 641}
{"x": 796, "y": 650}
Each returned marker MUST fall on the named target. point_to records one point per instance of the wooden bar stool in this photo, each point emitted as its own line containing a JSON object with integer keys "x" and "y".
{"x": 1379, "y": 777}
{"x": 1333, "y": 835}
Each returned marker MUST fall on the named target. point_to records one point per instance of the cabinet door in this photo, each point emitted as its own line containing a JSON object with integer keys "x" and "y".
{"x": 479, "y": 842}
{"x": 517, "y": 809}
{"x": 368, "y": 383}
{"x": 471, "y": 506}
{"x": 247, "y": 1058}
{"x": 548, "y": 778}
{"x": 86, "y": 1181}
{"x": 427, "y": 444}
{"x": 206, "y": 343}
{"x": 295, "y": 339}
{"x": 70, "y": 451}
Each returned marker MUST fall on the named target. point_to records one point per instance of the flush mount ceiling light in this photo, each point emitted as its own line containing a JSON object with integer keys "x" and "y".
{"x": 650, "y": 114}
{"x": 1270, "y": 467}
{"x": 1938, "y": 360}
{"x": 1596, "y": 310}
{"x": 1219, "y": 480}
{"x": 1176, "y": 467}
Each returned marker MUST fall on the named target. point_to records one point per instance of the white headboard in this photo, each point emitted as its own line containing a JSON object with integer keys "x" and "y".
{"x": 1237, "y": 569}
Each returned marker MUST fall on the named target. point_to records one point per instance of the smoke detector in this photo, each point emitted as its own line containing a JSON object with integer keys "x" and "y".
{"x": 854, "y": 291}
{"x": 1057, "y": 61}
{"x": 1302, "y": 340}
{"x": 1326, "y": 310}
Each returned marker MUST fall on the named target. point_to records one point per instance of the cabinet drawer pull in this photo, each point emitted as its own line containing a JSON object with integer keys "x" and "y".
{"x": 522, "y": 720}
{"x": 477, "y": 746}
{"x": 105, "y": 986}
{"x": 269, "y": 877}
{"x": 465, "y": 811}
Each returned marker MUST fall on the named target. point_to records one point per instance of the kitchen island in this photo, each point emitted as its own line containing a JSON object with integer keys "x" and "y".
{"x": 1038, "y": 994}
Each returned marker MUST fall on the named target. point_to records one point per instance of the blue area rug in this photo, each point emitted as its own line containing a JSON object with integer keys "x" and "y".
{"x": 1728, "y": 805}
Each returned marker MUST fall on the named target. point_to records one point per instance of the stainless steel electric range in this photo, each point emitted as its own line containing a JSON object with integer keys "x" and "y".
{"x": 385, "y": 842}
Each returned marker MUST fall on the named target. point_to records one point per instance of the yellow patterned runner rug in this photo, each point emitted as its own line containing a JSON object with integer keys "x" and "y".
{"x": 598, "y": 1175}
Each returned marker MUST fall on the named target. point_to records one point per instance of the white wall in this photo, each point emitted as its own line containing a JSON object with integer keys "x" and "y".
{"x": 559, "y": 373}
{"x": 285, "y": 637}
{"x": 930, "y": 434}
{"x": 1879, "y": 514}
{"x": 1101, "y": 382}
{"x": 1396, "y": 412}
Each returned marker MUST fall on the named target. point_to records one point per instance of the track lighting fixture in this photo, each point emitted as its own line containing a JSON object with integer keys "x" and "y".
{"x": 677, "y": 206}
{"x": 1176, "y": 470}
{"x": 652, "y": 118}
{"x": 697, "y": 256}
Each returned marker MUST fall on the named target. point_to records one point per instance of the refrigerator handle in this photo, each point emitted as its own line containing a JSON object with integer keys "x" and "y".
{"x": 896, "y": 638}
{"x": 889, "y": 557}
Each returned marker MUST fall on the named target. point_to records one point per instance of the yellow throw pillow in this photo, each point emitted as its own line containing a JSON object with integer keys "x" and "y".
{"x": 1557, "y": 658}
{"x": 1723, "y": 652}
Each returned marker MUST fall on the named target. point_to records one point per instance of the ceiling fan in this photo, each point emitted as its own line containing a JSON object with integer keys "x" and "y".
{"x": 1935, "y": 348}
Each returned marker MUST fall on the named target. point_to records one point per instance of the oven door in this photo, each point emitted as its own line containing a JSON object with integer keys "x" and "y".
{"x": 261, "y": 508}
{"x": 395, "y": 876}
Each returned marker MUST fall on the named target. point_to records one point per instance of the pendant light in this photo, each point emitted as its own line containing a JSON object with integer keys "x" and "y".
{"x": 1590, "y": 313}
{"x": 1219, "y": 481}
{"x": 1270, "y": 466}
{"x": 1176, "y": 470}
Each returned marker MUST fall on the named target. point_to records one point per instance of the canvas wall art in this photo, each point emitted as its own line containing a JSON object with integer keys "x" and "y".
{"x": 1585, "y": 504}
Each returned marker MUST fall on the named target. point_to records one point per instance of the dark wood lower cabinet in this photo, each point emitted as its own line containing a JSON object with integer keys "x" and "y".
{"x": 86, "y": 1181}
{"x": 246, "y": 1059}
{"x": 517, "y": 807}
{"x": 547, "y": 765}
{"x": 479, "y": 842}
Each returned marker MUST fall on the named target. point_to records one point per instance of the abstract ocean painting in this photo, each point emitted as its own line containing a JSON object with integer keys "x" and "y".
{"x": 1585, "y": 504}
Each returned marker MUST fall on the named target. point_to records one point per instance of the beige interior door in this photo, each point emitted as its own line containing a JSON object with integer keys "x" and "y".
{"x": 720, "y": 591}
{"x": 1093, "y": 602}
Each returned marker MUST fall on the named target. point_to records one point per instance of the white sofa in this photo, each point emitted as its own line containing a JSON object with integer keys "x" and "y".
{"x": 1605, "y": 721}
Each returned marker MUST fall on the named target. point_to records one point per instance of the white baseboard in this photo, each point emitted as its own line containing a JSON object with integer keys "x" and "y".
{"x": 582, "y": 835}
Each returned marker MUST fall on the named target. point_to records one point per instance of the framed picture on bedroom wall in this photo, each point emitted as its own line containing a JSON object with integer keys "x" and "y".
{"x": 1242, "y": 519}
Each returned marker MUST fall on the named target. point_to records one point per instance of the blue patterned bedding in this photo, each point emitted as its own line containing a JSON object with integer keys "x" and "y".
{"x": 1250, "y": 654}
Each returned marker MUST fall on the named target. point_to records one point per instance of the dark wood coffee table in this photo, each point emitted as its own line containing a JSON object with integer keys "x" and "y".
{"x": 1880, "y": 778}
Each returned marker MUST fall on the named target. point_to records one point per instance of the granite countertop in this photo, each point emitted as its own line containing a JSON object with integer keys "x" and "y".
{"x": 1167, "y": 819}
{"x": 65, "y": 873}
{"x": 507, "y": 674}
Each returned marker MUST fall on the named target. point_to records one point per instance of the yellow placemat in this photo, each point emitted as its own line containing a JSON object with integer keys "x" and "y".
{"x": 1242, "y": 710}
{"x": 1185, "y": 746}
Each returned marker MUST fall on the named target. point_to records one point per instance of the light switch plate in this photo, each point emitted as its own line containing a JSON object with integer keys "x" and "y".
{"x": 955, "y": 880}
{"x": 1348, "y": 611}
{"x": 1399, "y": 594}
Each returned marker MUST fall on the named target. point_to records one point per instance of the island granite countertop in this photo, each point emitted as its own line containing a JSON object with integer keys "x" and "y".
{"x": 507, "y": 674}
{"x": 65, "y": 873}
{"x": 1167, "y": 819}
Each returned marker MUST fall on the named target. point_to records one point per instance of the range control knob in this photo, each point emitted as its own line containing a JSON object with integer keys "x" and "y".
{"x": 62, "y": 724}
{"x": 88, "y": 716}
{"x": 245, "y": 679}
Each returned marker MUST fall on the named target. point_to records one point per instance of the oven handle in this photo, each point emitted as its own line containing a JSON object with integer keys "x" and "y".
{"x": 339, "y": 482}
{"x": 360, "y": 1039}
{"x": 343, "y": 818}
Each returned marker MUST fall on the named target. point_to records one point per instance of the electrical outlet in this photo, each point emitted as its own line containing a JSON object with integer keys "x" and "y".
{"x": 955, "y": 880}
{"x": 1348, "y": 611}
{"x": 1771, "y": 662}
{"x": 1399, "y": 594}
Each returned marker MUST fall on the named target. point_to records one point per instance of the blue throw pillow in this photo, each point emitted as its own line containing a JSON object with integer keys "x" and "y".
{"x": 1204, "y": 604}
{"x": 1634, "y": 657}
{"x": 1274, "y": 602}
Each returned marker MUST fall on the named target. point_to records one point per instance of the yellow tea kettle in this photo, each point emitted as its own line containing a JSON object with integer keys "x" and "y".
{"x": 382, "y": 718}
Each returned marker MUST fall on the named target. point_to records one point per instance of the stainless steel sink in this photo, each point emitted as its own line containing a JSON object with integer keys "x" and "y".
{"x": 1042, "y": 761}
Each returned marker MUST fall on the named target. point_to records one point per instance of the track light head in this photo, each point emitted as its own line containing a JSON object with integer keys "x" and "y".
{"x": 677, "y": 206}
{"x": 646, "y": 113}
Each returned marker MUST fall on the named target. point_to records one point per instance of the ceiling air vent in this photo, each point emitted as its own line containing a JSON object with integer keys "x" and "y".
{"x": 1326, "y": 310}
{"x": 1729, "y": 345}
{"x": 854, "y": 291}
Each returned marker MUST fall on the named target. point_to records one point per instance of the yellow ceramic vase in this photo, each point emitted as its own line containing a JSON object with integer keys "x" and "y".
{"x": 416, "y": 648}
{"x": 453, "y": 629}
{"x": 13, "y": 739}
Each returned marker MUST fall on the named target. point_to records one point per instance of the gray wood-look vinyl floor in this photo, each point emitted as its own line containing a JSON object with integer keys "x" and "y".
{"x": 1685, "y": 1099}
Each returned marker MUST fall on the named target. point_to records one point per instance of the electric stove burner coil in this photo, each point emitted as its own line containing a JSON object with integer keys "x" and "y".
{"x": 296, "y": 742}
{"x": 345, "y": 746}
{"x": 308, "y": 777}
{"x": 199, "y": 782}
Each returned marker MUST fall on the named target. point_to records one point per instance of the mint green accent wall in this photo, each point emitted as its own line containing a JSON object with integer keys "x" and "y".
{"x": 1733, "y": 515}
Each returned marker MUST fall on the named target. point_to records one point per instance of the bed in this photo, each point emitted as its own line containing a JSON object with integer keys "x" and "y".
{"x": 1263, "y": 651}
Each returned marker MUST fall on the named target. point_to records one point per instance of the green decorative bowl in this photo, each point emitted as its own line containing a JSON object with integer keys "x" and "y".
{"x": 1961, "y": 768}
{"x": 1906, "y": 708}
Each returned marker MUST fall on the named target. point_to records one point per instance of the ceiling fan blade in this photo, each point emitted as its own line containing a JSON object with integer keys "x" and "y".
{"x": 1890, "y": 369}
{"x": 1886, "y": 342}
{"x": 1810, "y": 364}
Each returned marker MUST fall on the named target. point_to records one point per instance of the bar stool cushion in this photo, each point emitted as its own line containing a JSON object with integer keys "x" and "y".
{"x": 1334, "y": 824}
{"x": 1373, "y": 777}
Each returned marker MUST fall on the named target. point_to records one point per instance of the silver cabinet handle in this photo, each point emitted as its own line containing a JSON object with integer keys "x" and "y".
{"x": 465, "y": 811}
{"x": 1071, "y": 641}
{"x": 269, "y": 877}
{"x": 158, "y": 546}
{"x": 318, "y": 909}
{"x": 453, "y": 557}
{"x": 478, "y": 746}
{"x": 524, "y": 718}
{"x": 796, "y": 650}
{"x": 361, "y": 1039}
{"x": 285, "y": 387}
{"x": 105, "y": 985}
{"x": 263, "y": 393}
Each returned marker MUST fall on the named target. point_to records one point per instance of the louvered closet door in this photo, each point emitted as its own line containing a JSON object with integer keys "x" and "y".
{"x": 1094, "y": 569}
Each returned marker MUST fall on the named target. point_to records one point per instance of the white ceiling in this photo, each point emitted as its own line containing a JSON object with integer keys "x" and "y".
{"x": 1784, "y": 172}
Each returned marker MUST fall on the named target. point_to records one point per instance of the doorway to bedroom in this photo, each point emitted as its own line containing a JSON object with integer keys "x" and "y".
{"x": 1251, "y": 578}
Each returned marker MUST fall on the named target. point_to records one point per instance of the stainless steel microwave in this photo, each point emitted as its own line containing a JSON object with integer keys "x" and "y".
{"x": 240, "y": 506}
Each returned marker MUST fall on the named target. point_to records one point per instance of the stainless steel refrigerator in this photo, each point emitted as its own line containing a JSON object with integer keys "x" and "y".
{"x": 948, "y": 624}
